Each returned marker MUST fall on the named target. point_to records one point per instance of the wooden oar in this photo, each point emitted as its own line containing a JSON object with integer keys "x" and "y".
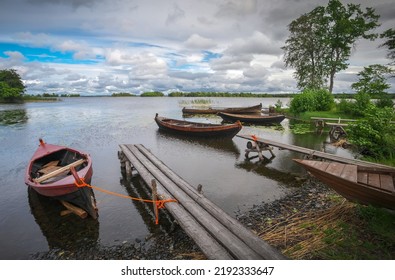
{"x": 59, "y": 171}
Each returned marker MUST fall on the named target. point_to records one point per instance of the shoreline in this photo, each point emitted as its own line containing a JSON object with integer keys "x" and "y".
{"x": 296, "y": 225}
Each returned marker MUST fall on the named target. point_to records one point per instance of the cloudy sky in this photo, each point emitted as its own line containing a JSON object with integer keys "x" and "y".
{"x": 104, "y": 46}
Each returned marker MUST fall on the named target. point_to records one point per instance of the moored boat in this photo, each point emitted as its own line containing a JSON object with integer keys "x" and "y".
{"x": 361, "y": 184}
{"x": 252, "y": 119}
{"x": 256, "y": 109}
{"x": 55, "y": 171}
{"x": 198, "y": 129}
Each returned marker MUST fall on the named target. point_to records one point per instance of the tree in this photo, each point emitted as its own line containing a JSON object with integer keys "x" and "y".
{"x": 372, "y": 81}
{"x": 390, "y": 44}
{"x": 321, "y": 41}
{"x": 11, "y": 85}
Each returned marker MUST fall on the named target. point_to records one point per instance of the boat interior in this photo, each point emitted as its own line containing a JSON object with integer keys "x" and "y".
{"x": 55, "y": 161}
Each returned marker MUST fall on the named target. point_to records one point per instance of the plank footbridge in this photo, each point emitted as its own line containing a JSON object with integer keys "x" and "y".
{"x": 217, "y": 234}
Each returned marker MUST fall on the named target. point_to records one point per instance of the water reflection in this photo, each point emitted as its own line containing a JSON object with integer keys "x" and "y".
{"x": 222, "y": 144}
{"x": 135, "y": 187}
{"x": 68, "y": 232}
{"x": 9, "y": 117}
{"x": 260, "y": 167}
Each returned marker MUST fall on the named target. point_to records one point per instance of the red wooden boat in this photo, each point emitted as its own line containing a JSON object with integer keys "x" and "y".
{"x": 198, "y": 129}
{"x": 362, "y": 184}
{"x": 53, "y": 171}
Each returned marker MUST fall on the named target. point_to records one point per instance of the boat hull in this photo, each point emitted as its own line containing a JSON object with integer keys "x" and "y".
{"x": 252, "y": 119}
{"x": 241, "y": 110}
{"x": 63, "y": 186}
{"x": 352, "y": 190}
{"x": 198, "y": 129}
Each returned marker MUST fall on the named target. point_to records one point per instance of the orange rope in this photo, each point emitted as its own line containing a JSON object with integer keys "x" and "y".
{"x": 158, "y": 203}
{"x": 254, "y": 137}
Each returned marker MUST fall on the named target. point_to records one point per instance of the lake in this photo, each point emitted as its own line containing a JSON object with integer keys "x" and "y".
{"x": 30, "y": 223}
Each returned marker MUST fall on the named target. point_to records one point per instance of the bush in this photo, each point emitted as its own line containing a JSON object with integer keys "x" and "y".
{"x": 373, "y": 134}
{"x": 312, "y": 100}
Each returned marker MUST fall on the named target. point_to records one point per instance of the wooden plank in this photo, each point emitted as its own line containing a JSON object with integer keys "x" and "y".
{"x": 374, "y": 180}
{"x": 59, "y": 171}
{"x": 229, "y": 241}
{"x": 386, "y": 182}
{"x": 363, "y": 178}
{"x": 350, "y": 173}
{"x": 76, "y": 210}
{"x": 335, "y": 168}
{"x": 48, "y": 169}
{"x": 319, "y": 154}
{"x": 256, "y": 243}
{"x": 209, "y": 246}
{"x": 321, "y": 165}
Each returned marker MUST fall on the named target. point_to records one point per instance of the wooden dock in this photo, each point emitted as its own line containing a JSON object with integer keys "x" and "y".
{"x": 266, "y": 144}
{"x": 218, "y": 235}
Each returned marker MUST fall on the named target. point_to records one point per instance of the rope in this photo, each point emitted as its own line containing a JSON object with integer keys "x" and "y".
{"x": 158, "y": 203}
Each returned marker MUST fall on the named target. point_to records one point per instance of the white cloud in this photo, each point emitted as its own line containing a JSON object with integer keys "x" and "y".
{"x": 140, "y": 45}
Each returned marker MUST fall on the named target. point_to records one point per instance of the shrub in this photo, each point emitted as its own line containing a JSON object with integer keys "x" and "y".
{"x": 312, "y": 100}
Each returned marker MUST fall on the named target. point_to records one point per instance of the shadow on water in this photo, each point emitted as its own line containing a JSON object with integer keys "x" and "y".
{"x": 221, "y": 144}
{"x": 68, "y": 232}
{"x": 260, "y": 168}
{"x": 10, "y": 117}
{"x": 135, "y": 187}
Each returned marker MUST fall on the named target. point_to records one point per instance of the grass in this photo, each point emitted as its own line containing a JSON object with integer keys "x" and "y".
{"x": 343, "y": 231}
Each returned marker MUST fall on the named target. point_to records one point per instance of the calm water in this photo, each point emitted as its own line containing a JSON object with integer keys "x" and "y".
{"x": 31, "y": 224}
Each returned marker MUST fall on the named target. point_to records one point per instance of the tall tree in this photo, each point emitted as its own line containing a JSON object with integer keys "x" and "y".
{"x": 390, "y": 44}
{"x": 325, "y": 37}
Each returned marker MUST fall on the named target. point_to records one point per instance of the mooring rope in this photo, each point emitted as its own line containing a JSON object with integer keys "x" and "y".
{"x": 159, "y": 204}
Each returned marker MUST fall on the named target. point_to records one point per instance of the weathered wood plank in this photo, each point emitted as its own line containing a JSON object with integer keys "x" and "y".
{"x": 231, "y": 242}
{"x": 319, "y": 154}
{"x": 350, "y": 172}
{"x": 387, "y": 182}
{"x": 59, "y": 171}
{"x": 363, "y": 177}
{"x": 374, "y": 180}
{"x": 256, "y": 243}
{"x": 209, "y": 246}
{"x": 335, "y": 168}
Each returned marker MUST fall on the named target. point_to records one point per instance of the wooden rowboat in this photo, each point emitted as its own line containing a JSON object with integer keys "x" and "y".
{"x": 198, "y": 129}
{"x": 256, "y": 109}
{"x": 252, "y": 119}
{"x": 361, "y": 184}
{"x": 53, "y": 172}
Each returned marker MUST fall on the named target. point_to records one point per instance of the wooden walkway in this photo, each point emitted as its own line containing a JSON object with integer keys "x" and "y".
{"x": 218, "y": 235}
{"x": 313, "y": 153}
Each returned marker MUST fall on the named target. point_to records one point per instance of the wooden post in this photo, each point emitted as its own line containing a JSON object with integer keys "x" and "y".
{"x": 155, "y": 199}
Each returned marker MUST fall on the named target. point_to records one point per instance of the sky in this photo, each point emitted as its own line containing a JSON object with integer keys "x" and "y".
{"x": 96, "y": 47}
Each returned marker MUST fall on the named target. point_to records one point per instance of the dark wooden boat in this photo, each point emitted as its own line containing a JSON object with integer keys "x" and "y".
{"x": 252, "y": 119}
{"x": 256, "y": 109}
{"x": 361, "y": 184}
{"x": 53, "y": 171}
{"x": 198, "y": 129}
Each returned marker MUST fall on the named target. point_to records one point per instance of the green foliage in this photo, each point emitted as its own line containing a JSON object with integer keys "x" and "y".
{"x": 374, "y": 135}
{"x": 320, "y": 42}
{"x": 312, "y": 100}
{"x": 372, "y": 80}
{"x": 152, "y": 94}
{"x": 122, "y": 94}
{"x": 11, "y": 85}
{"x": 389, "y": 43}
